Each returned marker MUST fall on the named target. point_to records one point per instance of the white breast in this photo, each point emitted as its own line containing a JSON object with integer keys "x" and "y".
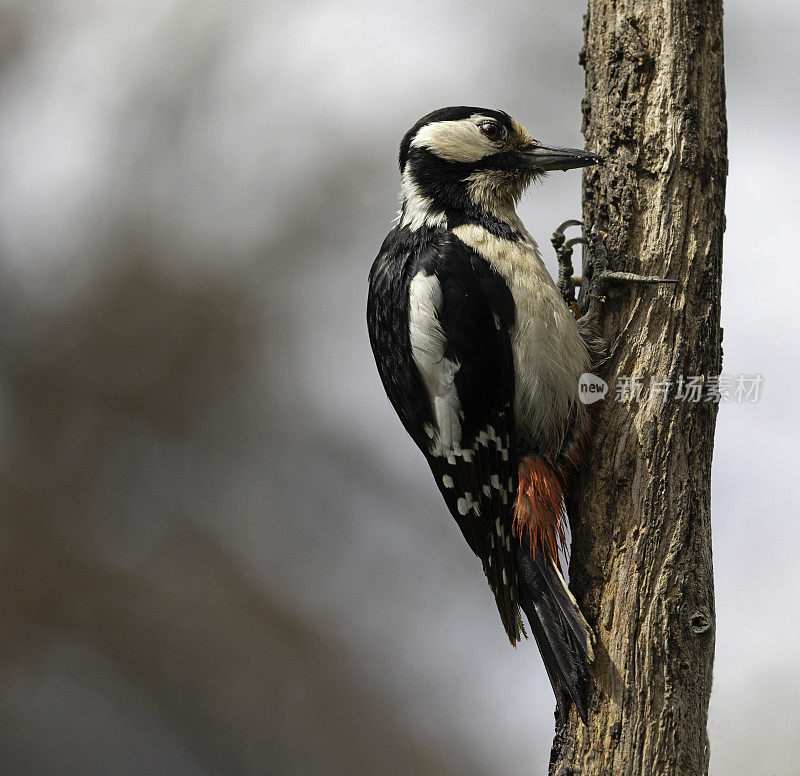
{"x": 549, "y": 354}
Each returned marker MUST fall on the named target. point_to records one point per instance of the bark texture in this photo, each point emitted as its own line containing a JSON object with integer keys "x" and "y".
{"x": 641, "y": 563}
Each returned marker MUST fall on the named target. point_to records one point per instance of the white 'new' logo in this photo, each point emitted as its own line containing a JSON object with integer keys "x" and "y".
{"x": 591, "y": 388}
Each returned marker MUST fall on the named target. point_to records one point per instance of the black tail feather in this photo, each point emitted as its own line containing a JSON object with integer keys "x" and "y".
{"x": 561, "y": 632}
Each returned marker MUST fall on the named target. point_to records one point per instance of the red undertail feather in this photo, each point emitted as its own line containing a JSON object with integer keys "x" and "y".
{"x": 539, "y": 510}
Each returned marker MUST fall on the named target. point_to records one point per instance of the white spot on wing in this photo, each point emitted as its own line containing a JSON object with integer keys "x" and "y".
{"x": 471, "y": 503}
{"x": 447, "y": 481}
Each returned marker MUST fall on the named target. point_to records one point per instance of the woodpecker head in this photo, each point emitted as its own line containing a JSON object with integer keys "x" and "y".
{"x": 473, "y": 161}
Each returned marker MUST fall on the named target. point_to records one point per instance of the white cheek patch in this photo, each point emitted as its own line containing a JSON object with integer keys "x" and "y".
{"x": 455, "y": 141}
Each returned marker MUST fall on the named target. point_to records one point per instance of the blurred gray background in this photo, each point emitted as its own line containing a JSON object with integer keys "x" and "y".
{"x": 219, "y": 551}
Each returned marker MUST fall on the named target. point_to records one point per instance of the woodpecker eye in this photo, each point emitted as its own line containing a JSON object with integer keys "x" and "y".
{"x": 492, "y": 130}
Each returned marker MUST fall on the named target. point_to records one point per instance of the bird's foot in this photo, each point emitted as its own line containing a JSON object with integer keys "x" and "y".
{"x": 567, "y": 282}
{"x": 599, "y": 283}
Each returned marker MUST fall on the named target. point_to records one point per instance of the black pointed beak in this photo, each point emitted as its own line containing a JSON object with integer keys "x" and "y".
{"x": 541, "y": 157}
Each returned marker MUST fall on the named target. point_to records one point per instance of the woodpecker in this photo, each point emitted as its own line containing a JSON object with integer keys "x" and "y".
{"x": 481, "y": 359}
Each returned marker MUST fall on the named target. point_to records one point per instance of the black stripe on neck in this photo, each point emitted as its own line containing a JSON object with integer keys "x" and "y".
{"x": 479, "y": 218}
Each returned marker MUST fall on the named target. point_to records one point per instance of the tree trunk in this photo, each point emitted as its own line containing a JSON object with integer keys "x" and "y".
{"x": 641, "y": 560}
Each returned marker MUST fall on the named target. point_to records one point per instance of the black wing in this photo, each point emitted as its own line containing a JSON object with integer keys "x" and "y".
{"x": 439, "y": 320}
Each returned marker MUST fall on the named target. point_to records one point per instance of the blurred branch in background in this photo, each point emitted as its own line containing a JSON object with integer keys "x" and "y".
{"x": 94, "y": 396}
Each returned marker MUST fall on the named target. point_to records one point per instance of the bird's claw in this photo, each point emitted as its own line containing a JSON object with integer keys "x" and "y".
{"x": 599, "y": 280}
{"x": 567, "y": 283}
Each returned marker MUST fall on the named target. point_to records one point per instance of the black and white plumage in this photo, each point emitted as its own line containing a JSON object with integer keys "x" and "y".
{"x": 480, "y": 357}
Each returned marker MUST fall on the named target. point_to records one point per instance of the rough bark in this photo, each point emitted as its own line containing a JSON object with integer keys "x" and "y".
{"x": 641, "y": 561}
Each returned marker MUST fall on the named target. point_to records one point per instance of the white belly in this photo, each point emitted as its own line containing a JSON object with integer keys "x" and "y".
{"x": 549, "y": 354}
